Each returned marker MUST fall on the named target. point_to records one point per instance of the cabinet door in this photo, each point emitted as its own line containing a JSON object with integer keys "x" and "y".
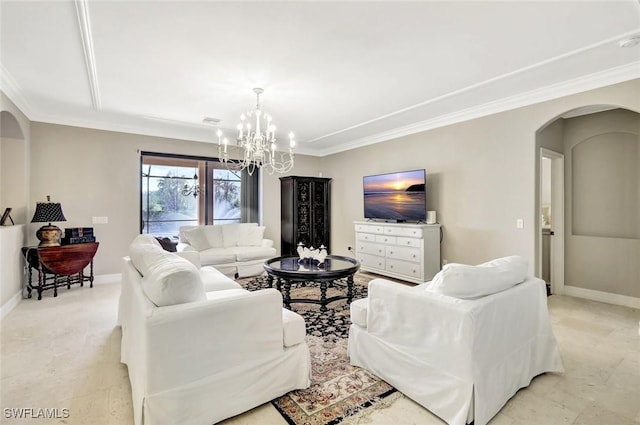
{"x": 303, "y": 219}
{"x": 320, "y": 229}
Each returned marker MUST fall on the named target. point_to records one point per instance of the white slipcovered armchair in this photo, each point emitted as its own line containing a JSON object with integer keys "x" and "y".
{"x": 461, "y": 345}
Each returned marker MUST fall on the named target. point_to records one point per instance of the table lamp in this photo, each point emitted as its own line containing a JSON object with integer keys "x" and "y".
{"x": 48, "y": 235}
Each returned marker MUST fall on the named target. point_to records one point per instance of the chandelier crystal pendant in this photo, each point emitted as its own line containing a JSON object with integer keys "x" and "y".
{"x": 258, "y": 142}
{"x": 191, "y": 189}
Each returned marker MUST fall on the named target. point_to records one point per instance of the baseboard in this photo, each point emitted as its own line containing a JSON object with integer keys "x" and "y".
{"x": 10, "y": 305}
{"x": 605, "y": 297}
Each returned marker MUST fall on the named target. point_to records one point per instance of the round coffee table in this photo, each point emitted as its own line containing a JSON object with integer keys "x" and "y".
{"x": 289, "y": 269}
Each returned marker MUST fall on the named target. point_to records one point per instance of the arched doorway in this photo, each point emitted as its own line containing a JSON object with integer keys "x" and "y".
{"x": 595, "y": 254}
{"x": 13, "y": 166}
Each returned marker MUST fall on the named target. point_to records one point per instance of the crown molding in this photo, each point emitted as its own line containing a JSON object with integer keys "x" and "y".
{"x": 593, "y": 81}
{"x": 186, "y": 131}
{"x": 12, "y": 89}
{"x": 495, "y": 79}
{"x": 195, "y": 133}
{"x": 84, "y": 24}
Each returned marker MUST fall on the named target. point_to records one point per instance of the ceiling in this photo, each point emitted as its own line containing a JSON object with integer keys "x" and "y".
{"x": 338, "y": 74}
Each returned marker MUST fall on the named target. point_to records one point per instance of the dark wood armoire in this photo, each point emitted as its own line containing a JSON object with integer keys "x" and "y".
{"x": 305, "y": 213}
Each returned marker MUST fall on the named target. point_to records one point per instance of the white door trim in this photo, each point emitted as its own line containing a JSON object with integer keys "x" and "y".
{"x": 557, "y": 226}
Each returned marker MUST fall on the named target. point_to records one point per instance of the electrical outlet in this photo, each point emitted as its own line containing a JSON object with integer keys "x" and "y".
{"x": 100, "y": 220}
{"x": 520, "y": 223}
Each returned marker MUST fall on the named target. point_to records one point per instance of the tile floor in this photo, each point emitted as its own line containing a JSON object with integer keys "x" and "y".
{"x": 64, "y": 353}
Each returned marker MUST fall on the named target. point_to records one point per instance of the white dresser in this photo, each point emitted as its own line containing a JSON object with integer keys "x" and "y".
{"x": 404, "y": 251}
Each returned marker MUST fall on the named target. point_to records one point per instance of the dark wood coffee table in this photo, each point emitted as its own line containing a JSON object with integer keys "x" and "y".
{"x": 289, "y": 270}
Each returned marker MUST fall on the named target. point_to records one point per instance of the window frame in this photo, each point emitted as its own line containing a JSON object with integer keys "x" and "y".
{"x": 206, "y": 167}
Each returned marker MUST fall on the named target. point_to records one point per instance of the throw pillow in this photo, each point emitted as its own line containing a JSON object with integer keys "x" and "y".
{"x": 166, "y": 244}
{"x": 465, "y": 281}
{"x": 214, "y": 236}
{"x": 173, "y": 280}
{"x": 197, "y": 238}
{"x": 144, "y": 251}
{"x": 182, "y": 238}
{"x": 231, "y": 232}
{"x": 251, "y": 236}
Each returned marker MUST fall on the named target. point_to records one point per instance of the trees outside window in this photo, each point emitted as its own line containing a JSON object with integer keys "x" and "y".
{"x": 226, "y": 196}
{"x": 166, "y": 205}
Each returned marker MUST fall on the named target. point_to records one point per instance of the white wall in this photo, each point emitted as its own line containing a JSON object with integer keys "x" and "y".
{"x": 602, "y": 192}
{"x": 11, "y": 242}
{"x": 97, "y": 173}
{"x": 15, "y": 136}
{"x": 482, "y": 175}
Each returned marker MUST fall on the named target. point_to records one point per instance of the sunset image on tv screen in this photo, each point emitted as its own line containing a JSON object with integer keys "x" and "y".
{"x": 397, "y": 196}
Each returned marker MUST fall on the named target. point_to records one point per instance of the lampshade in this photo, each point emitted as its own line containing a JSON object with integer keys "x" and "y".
{"x": 47, "y": 212}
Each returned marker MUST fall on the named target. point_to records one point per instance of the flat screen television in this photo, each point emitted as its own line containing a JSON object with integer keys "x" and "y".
{"x": 396, "y": 196}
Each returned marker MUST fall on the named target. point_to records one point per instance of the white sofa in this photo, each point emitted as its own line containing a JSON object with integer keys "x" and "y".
{"x": 460, "y": 345}
{"x": 197, "y": 357}
{"x": 237, "y": 250}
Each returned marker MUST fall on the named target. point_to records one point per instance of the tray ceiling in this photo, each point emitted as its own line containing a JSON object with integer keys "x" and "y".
{"x": 339, "y": 74}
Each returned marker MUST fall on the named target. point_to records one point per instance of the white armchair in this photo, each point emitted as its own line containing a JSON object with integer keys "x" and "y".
{"x": 460, "y": 358}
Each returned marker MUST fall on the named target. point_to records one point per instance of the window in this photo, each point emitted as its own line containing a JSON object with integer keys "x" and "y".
{"x": 226, "y": 196}
{"x": 180, "y": 191}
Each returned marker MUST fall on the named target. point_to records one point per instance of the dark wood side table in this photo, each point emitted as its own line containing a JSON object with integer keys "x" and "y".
{"x": 59, "y": 266}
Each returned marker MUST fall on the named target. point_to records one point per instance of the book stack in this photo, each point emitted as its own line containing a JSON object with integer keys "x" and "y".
{"x": 78, "y": 235}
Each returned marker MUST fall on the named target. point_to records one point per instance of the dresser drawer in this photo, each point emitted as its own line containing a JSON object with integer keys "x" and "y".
{"x": 403, "y": 253}
{"x": 385, "y": 239}
{"x": 369, "y": 228}
{"x": 367, "y": 237}
{"x": 371, "y": 261}
{"x": 412, "y": 242}
{"x": 412, "y": 232}
{"x": 370, "y": 248}
{"x": 413, "y": 270}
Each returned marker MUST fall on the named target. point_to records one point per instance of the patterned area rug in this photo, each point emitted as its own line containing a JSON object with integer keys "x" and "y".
{"x": 339, "y": 392}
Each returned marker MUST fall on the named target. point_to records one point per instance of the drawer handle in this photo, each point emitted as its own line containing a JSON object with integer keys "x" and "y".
{"x": 390, "y": 267}
{"x": 391, "y": 252}
{"x": 408, "y": 242}
{"x": 385, "y": 239}
{"x": 414, "y": 255}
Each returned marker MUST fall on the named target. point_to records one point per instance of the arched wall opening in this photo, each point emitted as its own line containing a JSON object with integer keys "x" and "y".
{"x": 598, "y": 246}
{"x": 13, "y": 167}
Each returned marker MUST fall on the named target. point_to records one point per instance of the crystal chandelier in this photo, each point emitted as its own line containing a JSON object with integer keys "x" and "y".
{"x": 258, "y": 143}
